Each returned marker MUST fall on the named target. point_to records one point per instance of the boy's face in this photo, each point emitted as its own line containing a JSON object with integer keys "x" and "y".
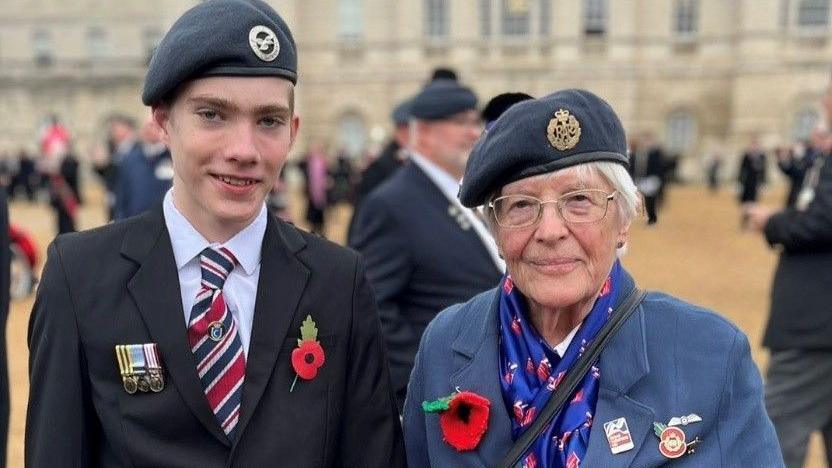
{"x": 229, "y": 138}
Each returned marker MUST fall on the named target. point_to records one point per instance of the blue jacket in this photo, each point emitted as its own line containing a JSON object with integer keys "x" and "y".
{"x": 139, "y": 187}
{"x": 669, "y": 359}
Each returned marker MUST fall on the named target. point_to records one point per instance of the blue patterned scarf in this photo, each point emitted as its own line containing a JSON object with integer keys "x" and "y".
{"x": 531, "y": 370}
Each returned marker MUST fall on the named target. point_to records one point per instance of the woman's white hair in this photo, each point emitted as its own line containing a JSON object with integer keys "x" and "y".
{"x": 627, "y": 197}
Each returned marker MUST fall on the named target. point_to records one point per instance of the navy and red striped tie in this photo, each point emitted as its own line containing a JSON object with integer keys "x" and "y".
{"x": 215, "y": 340}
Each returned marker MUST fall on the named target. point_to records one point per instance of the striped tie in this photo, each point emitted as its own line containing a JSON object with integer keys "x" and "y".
{"x": 215, "y": 341}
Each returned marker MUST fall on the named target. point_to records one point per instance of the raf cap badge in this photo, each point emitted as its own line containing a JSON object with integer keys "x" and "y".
{"x": 564, "y": 130}
{"x": 672, "y": 439}
{"x": 140, "y": 368}
{"x": 264, "y": 43}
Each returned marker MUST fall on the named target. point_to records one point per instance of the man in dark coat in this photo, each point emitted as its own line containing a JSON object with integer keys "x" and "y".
{"x": 647, "y": 166}
{"x": 391, "y": 157}
{"x": 425, "y": 251}
{"x": 206, "y": 332}
{"x": 799, "y": 330}
{"x": 752, "y": 172}
{"x": 796, "y": 167}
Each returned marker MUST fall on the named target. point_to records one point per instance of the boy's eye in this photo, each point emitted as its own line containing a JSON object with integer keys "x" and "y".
{"x": 208, "y": 114}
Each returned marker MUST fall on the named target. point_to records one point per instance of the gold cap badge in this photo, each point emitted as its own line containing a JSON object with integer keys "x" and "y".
{"x": 564, "y": 130}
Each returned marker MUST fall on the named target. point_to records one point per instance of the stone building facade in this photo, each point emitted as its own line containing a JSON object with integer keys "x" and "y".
{"x": 698, "y": 74}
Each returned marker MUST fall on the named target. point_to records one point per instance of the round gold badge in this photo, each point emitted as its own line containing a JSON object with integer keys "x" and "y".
{"x": 564, "y": 130}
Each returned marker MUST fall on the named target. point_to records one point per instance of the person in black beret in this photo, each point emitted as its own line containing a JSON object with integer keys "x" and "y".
{"x": 499, "y": 104}
{"x": 443, "y": 73}
{"x": 672, "y": 381}
{"x": 206, "y": 332}
{"x": 424, "y": 250}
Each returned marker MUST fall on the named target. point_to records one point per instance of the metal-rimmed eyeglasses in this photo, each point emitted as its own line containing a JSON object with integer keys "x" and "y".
{"x": 578, "y": 207}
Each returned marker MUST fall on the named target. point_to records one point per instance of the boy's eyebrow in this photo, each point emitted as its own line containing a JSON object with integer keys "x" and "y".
{"x": 228, "y": 105}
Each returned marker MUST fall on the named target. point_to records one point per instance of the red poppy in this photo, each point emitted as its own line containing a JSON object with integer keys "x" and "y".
{"x": 465, "y": 421}
{"x": 307, "y": 358}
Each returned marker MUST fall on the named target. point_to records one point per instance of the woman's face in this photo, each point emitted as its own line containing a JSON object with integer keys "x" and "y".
{"x": 558, "y": 265}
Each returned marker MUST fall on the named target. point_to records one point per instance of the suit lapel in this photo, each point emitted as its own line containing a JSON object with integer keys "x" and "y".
{"x": 155, "y": 290}
{"x": 623, "y": 363}
{"x": 451, "y": 213}
{"x": 282, "y": 281}
{"x": 479, "y": 373}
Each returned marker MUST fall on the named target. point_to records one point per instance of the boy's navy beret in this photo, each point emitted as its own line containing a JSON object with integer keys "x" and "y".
{"x": 221, "y": 38}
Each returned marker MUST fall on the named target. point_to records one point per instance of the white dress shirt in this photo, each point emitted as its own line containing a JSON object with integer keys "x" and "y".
{"x": 563, "y": 345}
{"x": 450, "y": 188}
{"x": 240, "y": 289}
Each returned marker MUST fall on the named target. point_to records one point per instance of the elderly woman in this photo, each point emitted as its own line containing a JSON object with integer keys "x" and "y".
{"x": 675, "y": 383}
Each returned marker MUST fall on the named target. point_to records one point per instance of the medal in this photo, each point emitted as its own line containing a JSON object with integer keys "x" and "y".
{"x": 140, "y": 368}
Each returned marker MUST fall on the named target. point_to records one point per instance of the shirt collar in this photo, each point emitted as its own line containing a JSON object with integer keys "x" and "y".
{"x": 446, "y": 182}
{"x": 187, "y": 242}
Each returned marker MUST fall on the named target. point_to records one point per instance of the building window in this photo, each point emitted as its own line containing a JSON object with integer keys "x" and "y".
{"x": 350, "y": 19}
{"x": 804, "y": 122}
{"x": 515, "y": 17}
{"x": 680, "y": 132}
{"x": 545, "y": 17}
{"x": 150, "y": 40}
{"x": 785, "y": 10}
{"x": 685, "y": 18}
{"x": 485, "y": 18}
{"x": 436, "y": 18}
{"x": 595, "y": 17}
{"x": 96, "y": 43}
{"x": 42, "y": 47}
{"x": 352, "y": 135}
{"x": 813, "y": 14}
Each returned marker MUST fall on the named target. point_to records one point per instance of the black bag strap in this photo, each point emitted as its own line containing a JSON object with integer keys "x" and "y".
{"x": 573, "y": 378}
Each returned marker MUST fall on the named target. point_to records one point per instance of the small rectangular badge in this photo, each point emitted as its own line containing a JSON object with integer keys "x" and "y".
{"x": 618, "y": 435}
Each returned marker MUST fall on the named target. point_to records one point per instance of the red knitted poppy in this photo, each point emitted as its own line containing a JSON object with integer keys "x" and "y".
{"x": 465, "y": 421}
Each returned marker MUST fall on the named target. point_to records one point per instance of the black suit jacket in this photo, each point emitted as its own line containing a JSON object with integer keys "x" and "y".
{"x": 801, "y": 293}
{"x": 118, "y": 285}
{"x": 420, "y": 260}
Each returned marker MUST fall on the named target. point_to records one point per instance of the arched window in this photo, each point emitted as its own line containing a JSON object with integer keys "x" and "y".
{"x": 804, "y": 121}
{"x": 352, "y": 135}
{"x": 680, "y": 134}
